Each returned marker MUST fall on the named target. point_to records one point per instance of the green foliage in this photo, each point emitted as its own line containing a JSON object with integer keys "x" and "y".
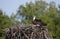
{"x": 5, "y": 22}
{"x": 32, "y": 9}
{"x": 48, "y": 13}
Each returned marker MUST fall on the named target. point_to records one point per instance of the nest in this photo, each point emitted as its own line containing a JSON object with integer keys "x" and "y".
{"x": 29, "y": 32}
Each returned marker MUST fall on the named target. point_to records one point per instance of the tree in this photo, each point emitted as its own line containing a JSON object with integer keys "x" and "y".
{"x": 48, "y": 13}
{"x": 5, "y": 22}
{"x": 31, "y": 9}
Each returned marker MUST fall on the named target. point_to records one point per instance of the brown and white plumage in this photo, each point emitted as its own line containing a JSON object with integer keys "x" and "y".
{"x": 38, "y": 21}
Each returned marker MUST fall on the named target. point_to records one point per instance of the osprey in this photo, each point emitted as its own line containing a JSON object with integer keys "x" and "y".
{"x": 38, "y": 21}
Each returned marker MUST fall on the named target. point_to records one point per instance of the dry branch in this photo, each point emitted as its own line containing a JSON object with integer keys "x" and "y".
{"x": 29, "y": 32}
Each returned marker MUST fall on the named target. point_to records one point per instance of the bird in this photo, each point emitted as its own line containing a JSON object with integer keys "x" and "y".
{"x": 36, "y": 21}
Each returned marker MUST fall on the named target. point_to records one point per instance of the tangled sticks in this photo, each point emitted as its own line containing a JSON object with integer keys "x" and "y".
{"x": 29, "y": 32}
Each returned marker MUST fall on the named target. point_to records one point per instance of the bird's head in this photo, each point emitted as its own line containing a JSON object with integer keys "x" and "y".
{"x": 34, "y": 17}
